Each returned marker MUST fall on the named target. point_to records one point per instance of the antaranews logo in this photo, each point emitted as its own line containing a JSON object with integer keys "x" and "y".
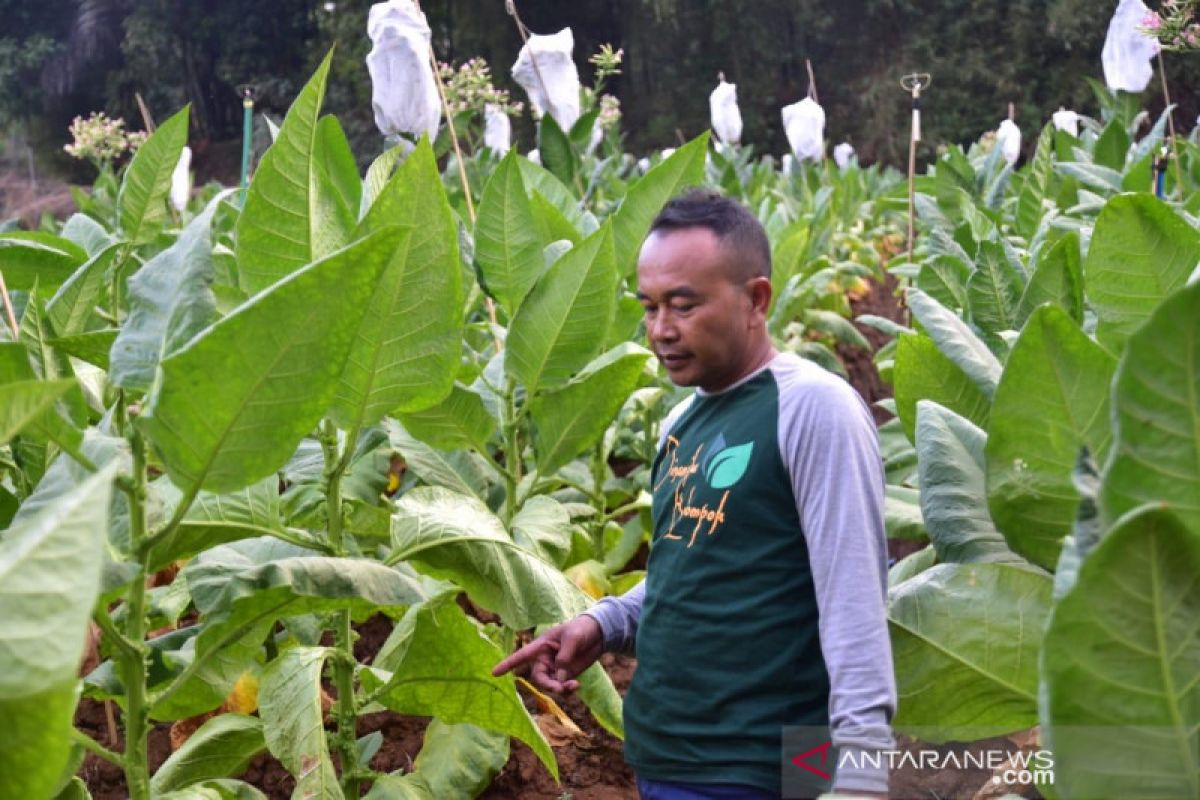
{"x": 811, "y": 764}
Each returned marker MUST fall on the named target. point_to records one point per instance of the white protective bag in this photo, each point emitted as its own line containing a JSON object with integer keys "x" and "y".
{"x": 1066, "y": 120}
{"x": 843, "y": 155}
{"x": 724, "y": 113}
{"x": 181, "y": 181}
{"x": 497, "y": 130}
{"x": 804, "y": 123}
{"x": 560, "y": 95}
{"x": 1127, "y": 50}
{"x": 1008, "y": 139}
{"x": 403, "y": 92}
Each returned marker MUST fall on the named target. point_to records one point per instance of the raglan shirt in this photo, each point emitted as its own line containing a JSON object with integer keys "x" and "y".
{"x": 764, "y": 601}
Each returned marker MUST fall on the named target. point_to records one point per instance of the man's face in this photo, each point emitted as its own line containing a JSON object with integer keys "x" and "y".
{"x": 700, "y": 319}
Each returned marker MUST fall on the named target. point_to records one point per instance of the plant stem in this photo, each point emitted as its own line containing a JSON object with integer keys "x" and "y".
{"x": 91, "y": 745}
{"x": 133, "y": 663}
{"x": 599, "y": 501}
{"x": 512, "y": 452}
{"x": 346, "y": 710}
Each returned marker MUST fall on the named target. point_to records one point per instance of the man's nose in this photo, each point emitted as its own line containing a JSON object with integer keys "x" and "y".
{"x": 661, "y": 329}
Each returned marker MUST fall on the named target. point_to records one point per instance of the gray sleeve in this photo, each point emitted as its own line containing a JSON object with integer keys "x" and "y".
{"x": 830, "y": 445}
{"x": 618, "y": 618}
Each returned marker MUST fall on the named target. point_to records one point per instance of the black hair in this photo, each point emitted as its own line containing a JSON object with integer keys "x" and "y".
{"x": 731, "y": 222}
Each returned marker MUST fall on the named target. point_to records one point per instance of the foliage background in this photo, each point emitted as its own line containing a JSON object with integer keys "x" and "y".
{"x": 59, "y": 58}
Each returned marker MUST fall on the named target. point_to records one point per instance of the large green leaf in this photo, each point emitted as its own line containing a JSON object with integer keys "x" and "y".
{"x": 91, "y": 346}
{"x": 597, "y": 690}
{"x": 290, "y": 705}
{"x": 563, "y": 321}
{"x": 445, "y": 671}
{"x": 956, "y": 341}
{"x": 902, "y": 514}
{"x": 34, "y": 258}
{"x": 218, "y": 789}
{"x": 223, "y": 746}
{"x": 72, "y": 305}
{"x": 950, "y": 461}
{"x": 169, "y": 302}
{"x": 540, "y": 180}
{"x": 556, "y": 151}
{"x": 461, "y": 420}
{"x": 406, "y": 350}
{"x": 1141, "y": 251}
{"x": 15, "y": 367}
{"x": 944, "y": 278}
{"x": 507, "y": 246}
{"x": 87, "y": 233}
{"x": 378, "y": 175}
{"x": 994, "y": 290}
{"x": 232, "y": 404}
{"x": 141, "y": 204}
{"x": 1052, "y": 400}
{"x": 1112, "y": 146}
{"x": 1086, "y": 532}
{"x": 338, "y": 188}
{"x": 923, "y": 373}
{"x": 238, "y": 580}
{"x": 455, "y": 760}
{"x": 570, "y": 420}
{"x": 1156, "y": 413}
{"x": 462, "y": 471}
{"x": 215, "y": 519}
{"x": 23, "y": 403}
{"x": 243, "y": 588}
{"x": 1094, "y": 176}
{"x": 49, "y": 364}
{"x": 965, "y": 641}
{"x": 290, "y": 218}
{"x": 643, "y": 201}
{"x": 49, "y": 579}
{"x": 1057, "y": 278}
{"x": 543, "y": 526}
{"x": 1031, "y": 201}
{"x": 456, "y": 537}
{"x": 1122, "y": 699}
{"x": 552, "y": 224}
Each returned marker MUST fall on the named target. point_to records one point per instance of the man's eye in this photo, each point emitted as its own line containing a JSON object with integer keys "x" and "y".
{"x": 683, "y": 307}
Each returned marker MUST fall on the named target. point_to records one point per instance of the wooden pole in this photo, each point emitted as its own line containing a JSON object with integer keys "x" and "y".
{"x": 1162, "y": 74}
{"x": 8, "y": 308}
{"x": 462, "y": 176}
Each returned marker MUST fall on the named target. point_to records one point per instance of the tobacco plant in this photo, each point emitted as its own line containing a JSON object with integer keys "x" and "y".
{"x": 1048, "y": 387}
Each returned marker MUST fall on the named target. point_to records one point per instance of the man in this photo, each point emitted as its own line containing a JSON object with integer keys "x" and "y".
{"x": 763, "y": 606}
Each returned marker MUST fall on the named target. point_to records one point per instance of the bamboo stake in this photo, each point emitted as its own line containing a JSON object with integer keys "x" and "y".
{"x": 913, "y": 84}
{"x": 462, "y": 177}
{"x": 147, "y": 120}
{"x": 12, "y": 318}
{"x": 1162, "y": 74}
{"x": 812, "y": 81}
{"x": 510, "y": 6}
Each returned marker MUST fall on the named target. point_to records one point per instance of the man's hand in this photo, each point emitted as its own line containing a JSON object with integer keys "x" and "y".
{"x": 553, "y": 659}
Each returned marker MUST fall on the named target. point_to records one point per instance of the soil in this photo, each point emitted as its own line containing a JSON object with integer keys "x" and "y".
{"x": 591, "y": 769}
{"x": 882, "y": 301}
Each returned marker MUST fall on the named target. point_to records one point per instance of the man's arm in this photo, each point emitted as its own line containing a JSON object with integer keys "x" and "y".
{"x": 832, "y": 451}
{"x": 618, "y": 618}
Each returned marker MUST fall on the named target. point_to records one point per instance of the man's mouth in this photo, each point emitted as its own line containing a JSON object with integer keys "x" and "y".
{"x": 673, "y": 360}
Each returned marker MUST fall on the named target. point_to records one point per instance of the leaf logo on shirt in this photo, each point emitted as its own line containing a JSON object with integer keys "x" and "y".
{"x": 726, "y": 467}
